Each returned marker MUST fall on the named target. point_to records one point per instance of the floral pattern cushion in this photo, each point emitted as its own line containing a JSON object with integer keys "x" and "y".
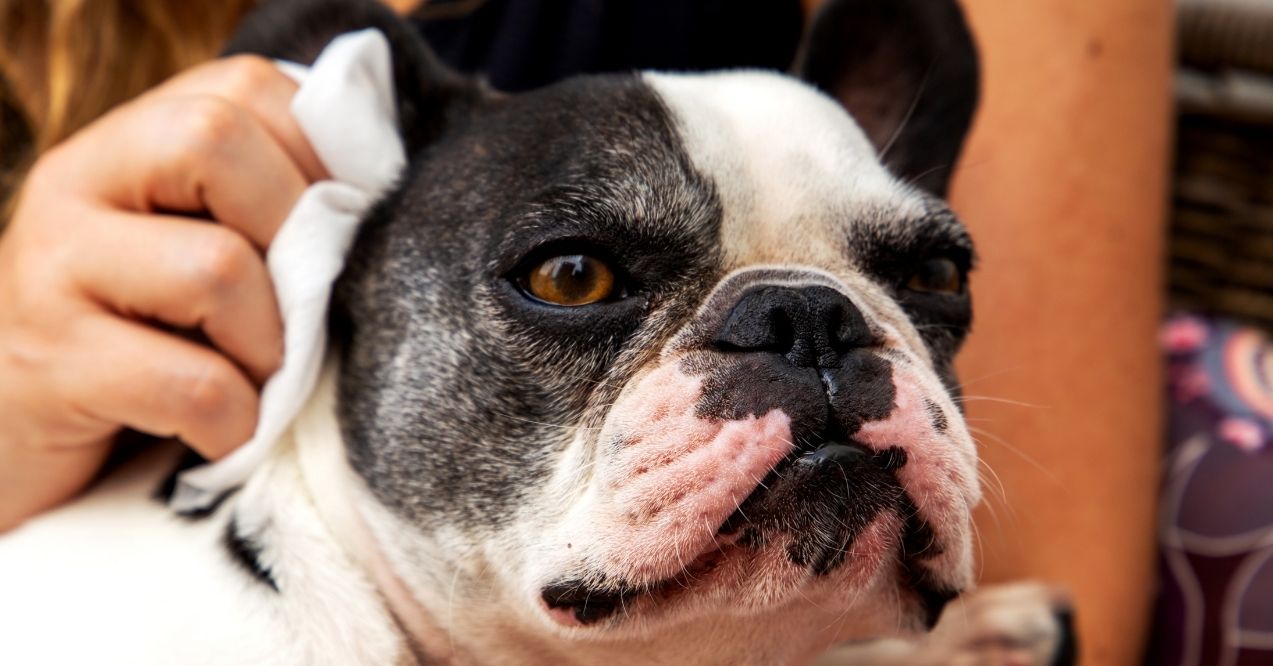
{"x": 1216, "y": 513}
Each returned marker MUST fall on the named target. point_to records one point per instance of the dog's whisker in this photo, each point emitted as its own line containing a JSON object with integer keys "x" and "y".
{"x": 991, "y": 480}
{"x": 906, "y": 119}
{"x": 759, "y": 482}
{"x": 1012, "y": 449}
{"x": 990, "y": 398}
{"x": 966, "y": 382}
{"x": 545, "y": 424}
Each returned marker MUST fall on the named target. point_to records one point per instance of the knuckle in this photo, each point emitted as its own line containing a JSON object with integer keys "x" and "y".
{"x": 246, "y": 75}
{"x": 207, "y": 125}
{"x": 206, "y": 393}
{"x": 46, "y": 175}
{"x": 225, "y": 261}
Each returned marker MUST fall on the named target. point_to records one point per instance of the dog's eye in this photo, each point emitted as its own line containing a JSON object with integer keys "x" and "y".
{"x": 570, "y": 280}
{"x": 940, "y": 276}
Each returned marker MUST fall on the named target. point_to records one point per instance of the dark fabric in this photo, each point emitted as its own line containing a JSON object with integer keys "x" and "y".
{"x": 1216, "y": 522}
{"x": 524, "y": 44}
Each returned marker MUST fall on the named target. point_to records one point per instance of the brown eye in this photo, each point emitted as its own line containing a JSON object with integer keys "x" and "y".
{"x": 939, "y": 276}
{"x": 571, "y": 280}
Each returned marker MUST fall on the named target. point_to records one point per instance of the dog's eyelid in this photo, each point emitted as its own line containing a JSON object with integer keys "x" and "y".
{"x": 623, "y": 286}
{"x": 571, "y": 245}
{"x": 938, "y": 235}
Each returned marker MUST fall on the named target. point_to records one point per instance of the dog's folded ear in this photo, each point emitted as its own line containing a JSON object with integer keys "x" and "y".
{"x": 907, "y": 71}
{"x": 428, "y": 92}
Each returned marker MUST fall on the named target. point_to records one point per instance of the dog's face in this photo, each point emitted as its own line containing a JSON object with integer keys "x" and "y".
{"x": 633, "y": 351}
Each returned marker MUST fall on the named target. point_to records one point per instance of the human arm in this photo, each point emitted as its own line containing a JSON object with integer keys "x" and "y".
{"x": 1063, "y": 185}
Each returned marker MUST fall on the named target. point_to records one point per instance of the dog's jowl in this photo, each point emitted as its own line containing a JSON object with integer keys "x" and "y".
{"x": 645, "y": 368}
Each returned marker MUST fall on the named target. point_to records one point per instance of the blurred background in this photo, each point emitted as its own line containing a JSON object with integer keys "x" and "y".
{"x": 1216, "y": 512}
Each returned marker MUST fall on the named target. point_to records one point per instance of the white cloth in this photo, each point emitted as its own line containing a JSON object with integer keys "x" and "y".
{"x": 346, "y": 108}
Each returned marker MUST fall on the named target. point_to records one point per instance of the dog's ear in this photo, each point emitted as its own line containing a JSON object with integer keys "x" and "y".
{"x": 906, "y": 70}
{"x": 428, "y": 92}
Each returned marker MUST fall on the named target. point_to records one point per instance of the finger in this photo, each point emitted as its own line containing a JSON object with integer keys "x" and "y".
{"x": 186, "y": 273}
{"x": 256, "y": 85}
{"x": 128, "y": 373}
{"x": 188, "y": 154}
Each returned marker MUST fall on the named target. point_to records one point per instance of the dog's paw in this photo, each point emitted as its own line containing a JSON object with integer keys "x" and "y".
{"x": 1021, "y": 624}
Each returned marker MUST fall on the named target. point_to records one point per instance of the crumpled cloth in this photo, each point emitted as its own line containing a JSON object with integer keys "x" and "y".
{"x": 346, "y": 108}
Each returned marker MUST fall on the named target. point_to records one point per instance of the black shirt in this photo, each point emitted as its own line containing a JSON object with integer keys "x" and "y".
{"x": 524, "y": 44}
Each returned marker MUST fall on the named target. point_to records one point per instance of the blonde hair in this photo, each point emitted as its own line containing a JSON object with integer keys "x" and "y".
{"x": 66, "y": 62}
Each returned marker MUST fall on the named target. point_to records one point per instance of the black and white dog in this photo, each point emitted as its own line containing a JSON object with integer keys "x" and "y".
{"x": 639, "y": 369}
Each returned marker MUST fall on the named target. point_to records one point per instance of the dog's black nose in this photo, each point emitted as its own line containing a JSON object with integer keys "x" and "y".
{"x": 813, "y": 327}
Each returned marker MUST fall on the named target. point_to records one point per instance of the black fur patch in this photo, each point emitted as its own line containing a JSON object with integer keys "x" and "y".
{"x": 824, "y": 502}
{"x": 589, "y": 605}
{"x": 893, "y": 253}
{"x": 823, "y": 499}
{"x": 1067, "y": 652}
{"x": 936, "y": 415}
{"x": 908, "y": 72}
{"x": 245, "y": 552}
{"x": 918, "y": 545}
{"x": 455, "y": 386}
{"x": 822, "y": 403}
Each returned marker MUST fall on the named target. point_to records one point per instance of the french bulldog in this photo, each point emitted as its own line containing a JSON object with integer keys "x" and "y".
{"x": 648, "y": 368}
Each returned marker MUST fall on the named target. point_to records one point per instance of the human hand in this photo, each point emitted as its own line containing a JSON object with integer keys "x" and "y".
{"x": 110, "y": 257}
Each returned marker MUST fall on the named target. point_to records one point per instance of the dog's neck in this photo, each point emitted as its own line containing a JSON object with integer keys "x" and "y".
{"x": 379, "y": 546}
{"x": 339, "y": 498}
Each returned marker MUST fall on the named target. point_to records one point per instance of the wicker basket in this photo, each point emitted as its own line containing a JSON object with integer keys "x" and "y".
{"x": 1221, "y": 247}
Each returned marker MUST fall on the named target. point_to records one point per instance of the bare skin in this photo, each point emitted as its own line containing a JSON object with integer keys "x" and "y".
{"x": 1063, "y": 185}
{"x": 91, "y": 274}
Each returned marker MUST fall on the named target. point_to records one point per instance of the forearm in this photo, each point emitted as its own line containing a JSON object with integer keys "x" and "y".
{"x": 1063, "y": 185}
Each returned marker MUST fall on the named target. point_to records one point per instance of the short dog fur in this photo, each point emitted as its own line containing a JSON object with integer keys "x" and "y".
{"x": 749, "y": 451}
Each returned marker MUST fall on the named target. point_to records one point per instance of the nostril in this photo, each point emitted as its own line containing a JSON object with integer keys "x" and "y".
{"x": 846, "y": 327}
{"x": 758, "y": 322}
{"x": 810, "y": 326}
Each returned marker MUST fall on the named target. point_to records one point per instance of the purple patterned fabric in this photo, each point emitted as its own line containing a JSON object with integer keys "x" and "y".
{"x": 1216, "y": 515}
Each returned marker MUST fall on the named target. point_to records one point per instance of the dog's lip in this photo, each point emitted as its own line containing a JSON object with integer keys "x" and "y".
{"x": 573, "y": 603}
{"x": 577, "y": 604}
{"x": 828, "y": 450}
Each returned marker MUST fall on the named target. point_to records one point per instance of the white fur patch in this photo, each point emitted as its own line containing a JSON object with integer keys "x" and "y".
{"x": 116, "y": 578}
{"x": 792, "y": 168}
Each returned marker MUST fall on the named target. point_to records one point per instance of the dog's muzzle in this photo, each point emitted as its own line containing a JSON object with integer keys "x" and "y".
{"x": 745, "y": 443}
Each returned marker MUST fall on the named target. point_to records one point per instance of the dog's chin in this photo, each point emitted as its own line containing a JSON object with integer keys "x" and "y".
{"x": 882, "y": 571}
